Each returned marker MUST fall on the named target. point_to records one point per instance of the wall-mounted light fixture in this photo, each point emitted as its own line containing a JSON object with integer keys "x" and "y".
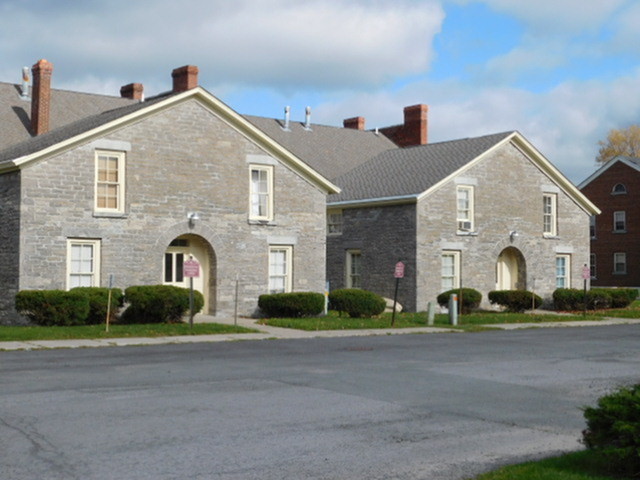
{"x": 513, "y": 234}
{"x": 192, "y": 217}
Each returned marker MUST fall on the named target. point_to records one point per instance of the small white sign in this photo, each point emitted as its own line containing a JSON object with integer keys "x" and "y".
{"x": 191, "y": 268}
{"x": 399, "y": 271}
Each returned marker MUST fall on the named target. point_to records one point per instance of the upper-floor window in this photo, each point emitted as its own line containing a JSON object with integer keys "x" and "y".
{"x": 619, "y": 221}
{"x": 619, "y": 263}
{"x": 592, "y": 226}
{"x": 465, "y": 208}
{"x": 109, "y": 187}
{"x": 334, "y": 222}
{"x": 450, "y": 270}
{"x": 261, "y": 196}
{"x": 83, "y": 263}
{"x": 549, "y": 214}
{"x": 619, "y": 189}
{"x": 354, "y": 269}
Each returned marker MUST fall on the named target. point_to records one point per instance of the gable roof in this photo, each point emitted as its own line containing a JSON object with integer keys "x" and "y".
{"x": 632, "y": 162}
{"x": 85, "y": 129}
{"x": 406, "y": 175}
{"x": 332, "y": 151}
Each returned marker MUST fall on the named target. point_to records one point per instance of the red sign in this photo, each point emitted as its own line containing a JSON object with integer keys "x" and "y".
{"x": 191, "y": 268}
{"x": 399, "y": 272}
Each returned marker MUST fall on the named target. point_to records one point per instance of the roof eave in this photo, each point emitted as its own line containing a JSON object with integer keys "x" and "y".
{"x": 375, "y": 202}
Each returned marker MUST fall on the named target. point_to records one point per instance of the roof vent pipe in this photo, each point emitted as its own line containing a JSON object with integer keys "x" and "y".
{"x": 287, "y": 112}
{"x": 307, "y": 118}
{"x": 24, "y": 89}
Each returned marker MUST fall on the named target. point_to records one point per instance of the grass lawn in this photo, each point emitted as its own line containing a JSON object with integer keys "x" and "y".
{"x": 469, "y": 322}
{"x": 573, "y": 466}
{"x": 17, "y": 334}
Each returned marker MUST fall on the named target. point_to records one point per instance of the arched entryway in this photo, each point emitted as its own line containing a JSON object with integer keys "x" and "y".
{"x": 511, "y": 270}
{"x": 194, "y": 247}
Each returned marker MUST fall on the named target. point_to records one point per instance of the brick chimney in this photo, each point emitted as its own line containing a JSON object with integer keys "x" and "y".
{"x": 184, "y": 78}
{"x": 41, "y": 97}
{"x": 413, "y": 131}
{"x": 135, "y": 91}
{"x": 357, "y": 123}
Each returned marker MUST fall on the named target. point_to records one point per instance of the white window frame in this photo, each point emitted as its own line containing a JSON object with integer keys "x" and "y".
{"x": 119, "y": 184}
{"x": 353, "y": 269}
{"x": 285, "y": 275}
{"x": 550, "y": 214}
{"x": 563, "y": 278}
{"x": 620, "y": 258}
{"x": 334, "y": 222}
{"x": 255, "y": 196}
{"x": 450, "y": 279}
{"x": 620, "y": 217}
{"x": 72, "y": 268}
{"x": 619, "y": 189}
{"x": 593, "y": 265}
{"x": 465, "y": 214}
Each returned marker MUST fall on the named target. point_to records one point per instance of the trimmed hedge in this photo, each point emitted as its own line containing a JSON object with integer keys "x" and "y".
{"x": 357, "y": 303}
{"x": 515, "y": 300}
{"x": 469, "y": 297}
{"x": 292, "y": 305}
{"x": 98, "y": 300}
{"x": 571, "y": 299}
{"x": 158, "y": 304}
{"x": 613, "y": 430}
{"x": 53, "y": 307}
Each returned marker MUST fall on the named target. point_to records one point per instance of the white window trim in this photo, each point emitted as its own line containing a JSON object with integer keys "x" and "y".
{"x": 288, "y": 275}
{"x": 623, "y": 214}
{"x": 336, "y": 226}
{"x": 615, "y": 263}
{"x": 95, "y": 275}
{"x": 269, "y": 170}
{"x": 348, "y": 280}
{"x": 121, "y": 181}
{"x": 553, "y": 231}
{"x": 567, "y": 269}
{"x": 466, "y": 224}
{"x": 593, "y": 265}
{"x": 456, "y": 269}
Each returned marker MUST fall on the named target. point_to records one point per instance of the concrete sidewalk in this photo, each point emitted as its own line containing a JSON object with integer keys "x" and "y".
{"x": 271, "y": 333}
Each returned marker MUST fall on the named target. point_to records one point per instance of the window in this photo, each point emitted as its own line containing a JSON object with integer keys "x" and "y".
{"x": 450, "y": 273}
{"x": 465, "y": 214}
{"x": 619, "y": 189}
{"x": 592, "y": 226}
{"x": 109, "y": 192}
{"x": 83, "y": 263}
{"x": 280, "y": 269}
{"x": 261, "y": 207}
{"x": 549, "y": 214}
{"x": 592, "y": 265}
{"x": 619, "y": 222}
{"x": 354, "y": 269}
{"x": 563, "y": 271}
{"x": 619, "y": 263}
{"x": 334, "y": 222}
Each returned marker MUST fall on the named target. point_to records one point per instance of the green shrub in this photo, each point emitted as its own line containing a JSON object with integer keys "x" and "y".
{"x": 571, "y": 299}
{"x": 53, "y": 307}
{"x": 620, "y": 297}
{"x": 158, "y": 304}
{"x": 292, "y": 305}
{"x": 357, "y": 303}
{"x": 98, "y": 300}
{"x": 469, "y": 297}
{"x": 613, "y": 430}
{"x": 515, "y": 300}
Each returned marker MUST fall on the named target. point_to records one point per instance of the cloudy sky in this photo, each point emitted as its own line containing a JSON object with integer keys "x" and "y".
{"x": 562, "y": 72}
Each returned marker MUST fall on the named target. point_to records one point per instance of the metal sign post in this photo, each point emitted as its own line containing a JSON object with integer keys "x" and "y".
{"x": 191, "y": 269}
{"x": 398, "y": 274}
{"x": 586, "y": 274}
{"x": 109, "y": 302}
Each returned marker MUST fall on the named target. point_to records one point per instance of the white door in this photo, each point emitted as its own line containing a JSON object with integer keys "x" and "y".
{"x": 179, "y": 251}
{"x": 507, "y": 271}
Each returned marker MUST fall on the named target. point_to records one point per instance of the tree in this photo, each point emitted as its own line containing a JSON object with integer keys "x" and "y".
{"x": 624, "y": 141}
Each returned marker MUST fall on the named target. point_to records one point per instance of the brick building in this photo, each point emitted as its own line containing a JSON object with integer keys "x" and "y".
{"x": 615, "y": 232}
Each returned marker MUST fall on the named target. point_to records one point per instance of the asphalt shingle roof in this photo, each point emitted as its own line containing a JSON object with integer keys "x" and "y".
{"x": 410, "y": 171}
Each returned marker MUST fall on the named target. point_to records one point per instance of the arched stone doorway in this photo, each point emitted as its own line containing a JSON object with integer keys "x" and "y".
{"x": 183, "y": 248}
{"x": 511, "y": 270}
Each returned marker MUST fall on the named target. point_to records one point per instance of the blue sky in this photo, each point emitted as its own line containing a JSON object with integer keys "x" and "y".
{"x": 562, "y": 72}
